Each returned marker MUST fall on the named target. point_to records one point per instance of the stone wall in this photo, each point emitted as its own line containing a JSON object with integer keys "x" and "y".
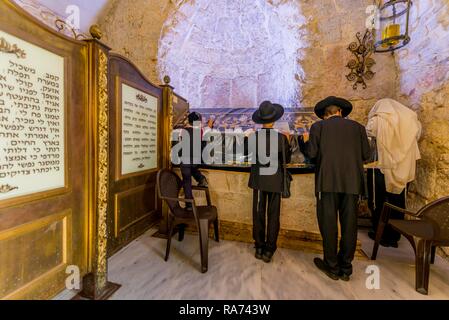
{"x": 234, "y": 200}
{"x": 332, "y": 27}
{"x": 232, "y": 197}
{"x": 323, "y": 32}
{"x": 133, "y": 29}
{"x": 232, "y": 54}
{"x": 424, "y": 85}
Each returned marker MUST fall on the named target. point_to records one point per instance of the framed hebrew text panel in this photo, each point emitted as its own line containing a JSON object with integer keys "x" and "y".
{"x": 45, "y": 194}
{"x": 32, "y": 119}
{"x": 138, "y": 129}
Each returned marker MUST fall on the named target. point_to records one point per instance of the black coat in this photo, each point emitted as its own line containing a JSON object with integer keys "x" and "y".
{"x": 270, "y": 183}
{"x": 338, "y": 147}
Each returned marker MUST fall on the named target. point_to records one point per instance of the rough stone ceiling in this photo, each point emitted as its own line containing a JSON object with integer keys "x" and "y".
{"x": 89, "y": 9}
{"x": 234, "y": 54}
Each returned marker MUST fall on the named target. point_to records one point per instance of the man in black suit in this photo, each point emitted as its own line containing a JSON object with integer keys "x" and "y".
{"x": 339, "y": 147}
{"x": 190, "y": 167}
{"x": 267, "y": 179}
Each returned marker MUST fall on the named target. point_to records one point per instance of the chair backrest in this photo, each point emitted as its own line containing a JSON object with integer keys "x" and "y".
{"x": 438, "y": 213}
{"x": 168, "y": 186}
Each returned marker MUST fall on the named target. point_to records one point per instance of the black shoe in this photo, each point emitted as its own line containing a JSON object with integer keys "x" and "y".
{"x": 259, "y": 253}
{"x": 383, "y": 243}
{"x": 267, "y": 256}
{"x": 203, "y": 183}
{"x": 320, "y": 264}
{"x": 394, "y": 245}
{"x": 343, "y": 276}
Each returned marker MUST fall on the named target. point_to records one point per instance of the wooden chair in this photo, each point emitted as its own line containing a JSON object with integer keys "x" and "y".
{"x": 169, "y": 185}
{"x": 429, "y": 230}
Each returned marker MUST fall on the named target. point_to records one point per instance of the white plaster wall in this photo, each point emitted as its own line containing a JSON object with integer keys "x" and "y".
{"x": 424, "y": 85}
{"x": 234, "y": 54}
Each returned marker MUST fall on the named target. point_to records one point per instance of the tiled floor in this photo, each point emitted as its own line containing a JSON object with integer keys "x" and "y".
{"x": 235, "y": 274}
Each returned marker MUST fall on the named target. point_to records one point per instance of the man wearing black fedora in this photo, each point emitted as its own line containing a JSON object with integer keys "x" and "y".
{"x": 267, "y": 179}
{"x": 338, "y": 147}
{"x": 190, "y": 168}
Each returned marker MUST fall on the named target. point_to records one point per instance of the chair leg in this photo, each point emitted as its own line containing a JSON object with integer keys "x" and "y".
{"x": 433, "y": 254}
{"x": 216, "y": 231}
{"x": 412, "y": 242}
{"x": 204, "y": 243}
{"x": 181, "y": 231}
{"x": 424, "y": 249}
{"x": 170, "y": 235}
{"x": 380, "y": 232}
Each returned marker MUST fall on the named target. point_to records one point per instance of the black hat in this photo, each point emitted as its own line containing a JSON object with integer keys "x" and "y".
{"x": 268, "y": 113}
{"x": 194, "y": 116}
{"x": 343, "y": 104}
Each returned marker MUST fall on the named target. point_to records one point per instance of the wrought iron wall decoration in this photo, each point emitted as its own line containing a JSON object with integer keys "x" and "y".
{"x": 65, "y": 28}
{"x": 361, "y": 66}
{"x": 50, "y": 18}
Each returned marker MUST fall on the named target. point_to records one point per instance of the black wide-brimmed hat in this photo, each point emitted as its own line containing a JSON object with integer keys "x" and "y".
{"x": 343, "y": 104}
{"x": 268, "y": 113}
{"x": 194, "y": 116}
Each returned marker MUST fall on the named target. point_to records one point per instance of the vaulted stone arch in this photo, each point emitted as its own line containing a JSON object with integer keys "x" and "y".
{"x": 234, "y": 53}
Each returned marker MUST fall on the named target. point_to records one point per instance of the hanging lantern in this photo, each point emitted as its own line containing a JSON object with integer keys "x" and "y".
{"x": 394, "y": 18}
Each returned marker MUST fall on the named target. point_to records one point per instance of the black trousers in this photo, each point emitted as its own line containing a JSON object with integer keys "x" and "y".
{"x": 266, "y": 204}
{"x": 330, "y": 207}
{"x": 378, "y": 195}
{"x": 187, "y": 172}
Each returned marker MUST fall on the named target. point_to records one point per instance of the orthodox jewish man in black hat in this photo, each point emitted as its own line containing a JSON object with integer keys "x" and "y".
{"x": 267, "y": 179}
{"x": 190, "y": 168}
{"x": 338, "y": 147}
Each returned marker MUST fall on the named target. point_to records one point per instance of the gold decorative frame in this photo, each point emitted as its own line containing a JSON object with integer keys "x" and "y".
{"x": 168, "y": 102}
{"x": 103, "y": 171}
{"x": 119, "y": 81}
{"x": 95, "y": 284}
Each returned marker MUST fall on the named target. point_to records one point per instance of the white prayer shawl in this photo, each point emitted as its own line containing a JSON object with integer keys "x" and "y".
{"x": 397, "y": 131}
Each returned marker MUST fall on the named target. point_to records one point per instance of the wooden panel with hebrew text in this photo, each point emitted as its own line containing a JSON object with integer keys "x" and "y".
{"x": 136, "y": 133}
{"x": 43, "y": 156}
